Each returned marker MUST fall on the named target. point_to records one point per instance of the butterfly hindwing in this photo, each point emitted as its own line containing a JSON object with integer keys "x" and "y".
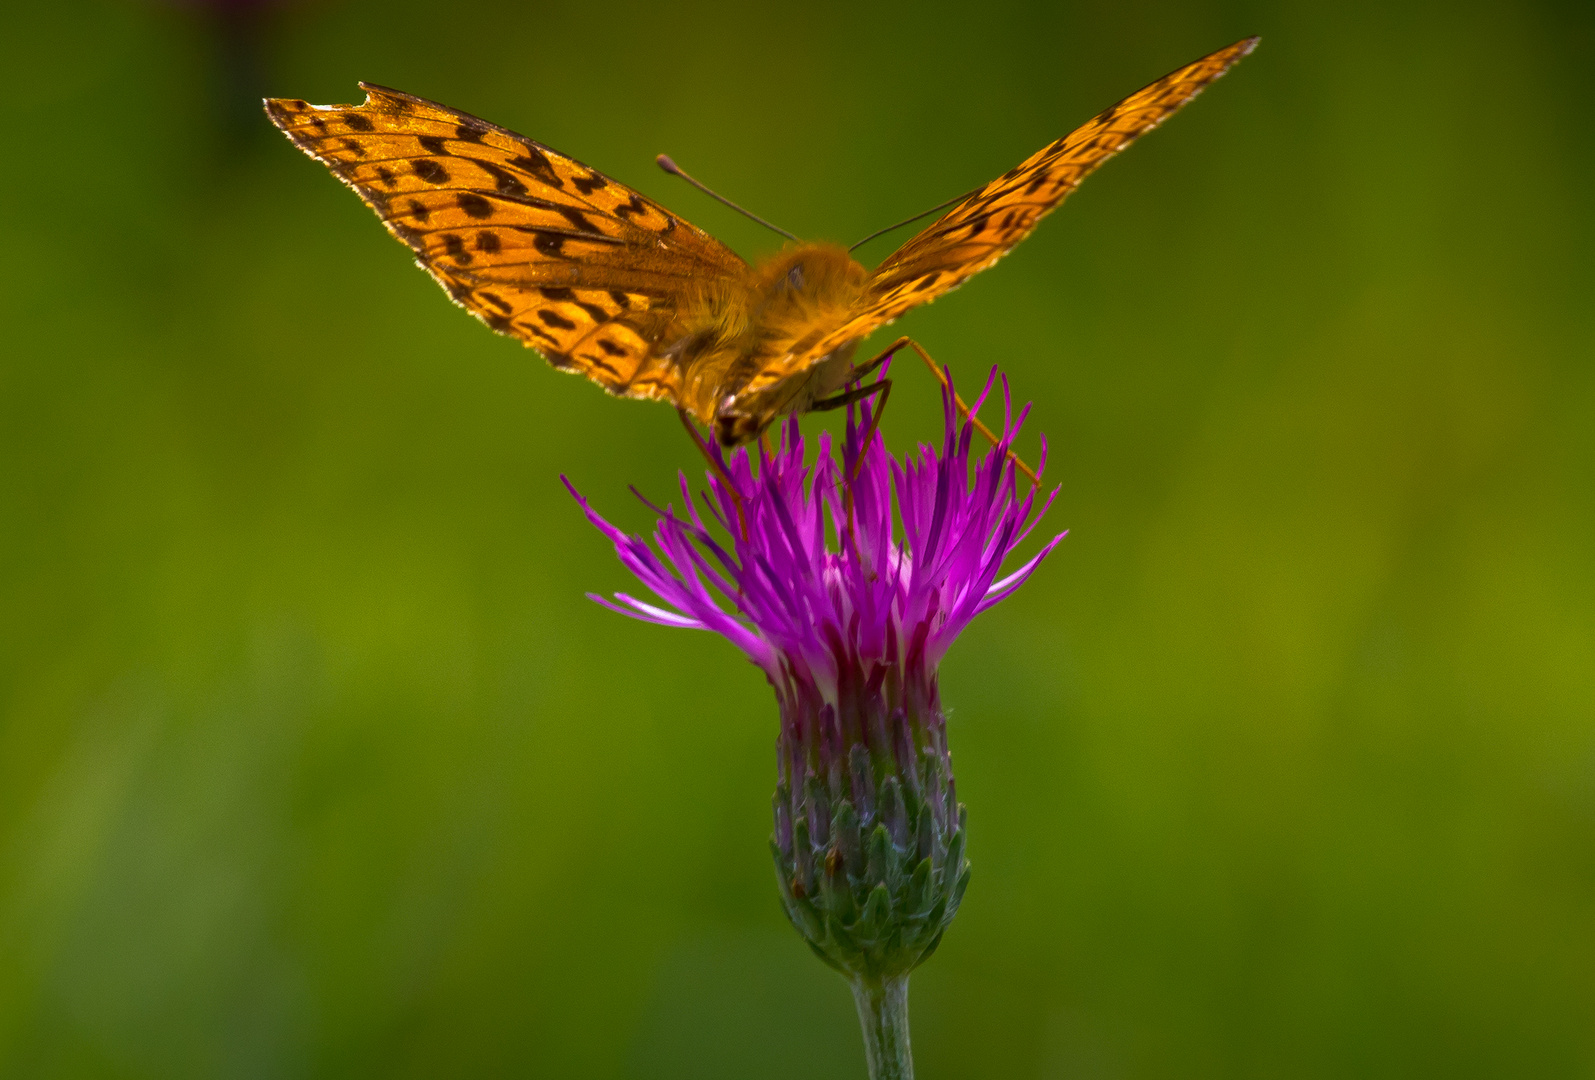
{"x": 534, "y": 243}
{"x": 987, "y": 223}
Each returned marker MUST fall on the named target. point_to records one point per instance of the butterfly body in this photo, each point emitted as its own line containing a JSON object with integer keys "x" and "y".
{"x": 788, "y": 301}
{"x": 606, "y": 282}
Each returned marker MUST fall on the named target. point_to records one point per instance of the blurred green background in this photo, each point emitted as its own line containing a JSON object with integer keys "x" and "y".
{"x": 315, "y": 762}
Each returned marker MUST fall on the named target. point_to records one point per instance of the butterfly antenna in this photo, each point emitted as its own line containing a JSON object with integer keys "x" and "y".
{"x": 910, "y": 221}
{"x": 673, "y": 169}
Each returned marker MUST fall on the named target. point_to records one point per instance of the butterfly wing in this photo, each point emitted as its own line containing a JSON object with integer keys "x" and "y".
{"x": 982, "y": 227}
{"x": 535, "y": 244}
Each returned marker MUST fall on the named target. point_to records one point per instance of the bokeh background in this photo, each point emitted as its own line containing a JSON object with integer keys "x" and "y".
{"x": 315, "y": 762}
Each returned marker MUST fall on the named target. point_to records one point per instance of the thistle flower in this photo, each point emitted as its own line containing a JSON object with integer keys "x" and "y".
{"x": 848, "y": 599}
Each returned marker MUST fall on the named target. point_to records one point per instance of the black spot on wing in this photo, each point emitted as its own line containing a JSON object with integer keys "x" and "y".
{"x": 433, "y": 144}
{"x": 474, "y": 205}
{"x": 550, "y": 241}
{"x": 405, "y": 233}
{"x": 430, "y": 171}
{"x": 620, "y": 299}
{"x": 610, "y": 347}
{"x": 579, "y": 222}
{"x": 596, "y": 313}
{"x": 469, "y": 132}
{"x": 419, "y": 211}
{"x": 456, "y": 248}
{"x": 457, "y": 289}
{"x": 355, "y": 122}
{"x": 386, "y": 175}
{"x": 556, "y": 320}
{"x": 487, "y": 242}
{"x": 630, "y": 209}
{"x": 588, "y": 184}
{"x": 535, "y": 163}
{"x": 505, "y": 180}
{"x": 556, "y": 292}
{"x": 497, "y": 301}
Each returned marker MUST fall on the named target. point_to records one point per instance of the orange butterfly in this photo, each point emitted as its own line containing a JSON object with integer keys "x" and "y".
{"x": 608, "y": 283}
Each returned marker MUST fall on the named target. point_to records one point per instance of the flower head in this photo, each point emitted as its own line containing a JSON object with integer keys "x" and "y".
{"x": 846, "y": 581}
{"x": 819, "y": 576}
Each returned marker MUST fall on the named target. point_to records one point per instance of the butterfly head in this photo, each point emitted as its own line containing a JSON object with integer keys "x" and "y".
{"x": 734, "y": 424}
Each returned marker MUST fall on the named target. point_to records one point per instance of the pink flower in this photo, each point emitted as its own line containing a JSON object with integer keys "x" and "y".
{"x": 846, "y": 582}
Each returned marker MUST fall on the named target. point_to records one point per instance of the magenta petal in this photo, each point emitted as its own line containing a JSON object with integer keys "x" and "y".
{"x": 861, "y": 559}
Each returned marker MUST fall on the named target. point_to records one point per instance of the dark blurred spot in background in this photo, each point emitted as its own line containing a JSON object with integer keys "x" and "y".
{"x": 239, "y": 39}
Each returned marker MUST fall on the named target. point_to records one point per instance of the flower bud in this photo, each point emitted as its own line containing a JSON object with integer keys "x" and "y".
{"x": 869, "y": 833}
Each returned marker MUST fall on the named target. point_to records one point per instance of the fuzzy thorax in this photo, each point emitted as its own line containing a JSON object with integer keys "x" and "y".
{"x": 732, "y": 354}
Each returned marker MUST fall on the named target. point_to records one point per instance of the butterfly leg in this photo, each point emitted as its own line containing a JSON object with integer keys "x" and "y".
{"x": 883, "y": 387}
{"x": 861, "y": 370}
{"x": 963, "y": 409}
{"x": 716, "y": 467}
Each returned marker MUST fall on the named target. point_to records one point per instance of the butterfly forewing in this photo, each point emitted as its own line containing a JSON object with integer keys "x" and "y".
{"x": 532, "y": 242}
{"x": 606, "y": 282}
{"x": 985, "y": 225}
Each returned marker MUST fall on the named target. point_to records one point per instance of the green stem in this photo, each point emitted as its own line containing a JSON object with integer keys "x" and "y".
{"x": 883, "y": 1013}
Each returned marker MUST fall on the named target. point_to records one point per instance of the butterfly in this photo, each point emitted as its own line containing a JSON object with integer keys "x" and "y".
{"x": 606, "y": 282}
